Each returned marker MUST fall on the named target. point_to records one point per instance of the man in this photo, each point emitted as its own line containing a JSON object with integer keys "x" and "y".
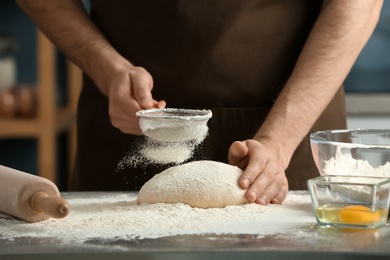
{"x": 271, "y": 72}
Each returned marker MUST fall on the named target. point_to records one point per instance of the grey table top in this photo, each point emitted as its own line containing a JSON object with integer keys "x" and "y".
{"x": 304, "y": 241}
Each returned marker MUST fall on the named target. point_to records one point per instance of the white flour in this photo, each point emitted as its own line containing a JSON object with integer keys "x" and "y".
{"x": 153, "y": 152}
{"x": 170, "y": 144}
{"x": 119, "y": 217}
{"x": 346, "y": 165}
{"x": 178, "y": 131}
{"x": 168, "y": 152}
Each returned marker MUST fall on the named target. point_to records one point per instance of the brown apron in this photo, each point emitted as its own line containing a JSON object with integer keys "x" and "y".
{"x": 230, "y": 56}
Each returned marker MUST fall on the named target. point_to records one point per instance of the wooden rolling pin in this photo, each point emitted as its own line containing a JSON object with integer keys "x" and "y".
{"x": 30, "y": 197}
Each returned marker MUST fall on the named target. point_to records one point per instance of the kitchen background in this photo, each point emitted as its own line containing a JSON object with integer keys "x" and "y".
{"x": 367, "y": 86}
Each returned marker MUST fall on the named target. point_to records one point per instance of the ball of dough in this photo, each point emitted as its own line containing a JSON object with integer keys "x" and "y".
{"x": 202, "y": 184}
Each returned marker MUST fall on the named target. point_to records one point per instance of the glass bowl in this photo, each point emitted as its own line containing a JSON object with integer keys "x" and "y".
{"x": 174, "y": 124}
{"x": 350, "y": 201}
{"x": 359, "y": 152}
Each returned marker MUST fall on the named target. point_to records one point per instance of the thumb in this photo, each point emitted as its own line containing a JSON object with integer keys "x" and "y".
{"x": 237, "y": 152}
{"x": 142, "y": 89}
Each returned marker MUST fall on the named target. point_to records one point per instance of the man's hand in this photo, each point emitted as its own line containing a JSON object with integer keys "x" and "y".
{"x": 263, "y": 176}
{"x": 130, "y": 91}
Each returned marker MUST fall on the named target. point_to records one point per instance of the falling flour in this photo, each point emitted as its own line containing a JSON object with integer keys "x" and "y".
{"x": 116, "y": 216}
{"x": 172, "y": 145}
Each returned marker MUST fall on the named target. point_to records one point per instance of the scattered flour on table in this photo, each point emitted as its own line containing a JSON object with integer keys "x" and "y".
{"x": 119, "y": 217}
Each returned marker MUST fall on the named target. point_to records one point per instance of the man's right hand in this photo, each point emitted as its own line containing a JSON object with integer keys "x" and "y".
{"x": 129, "y": 91}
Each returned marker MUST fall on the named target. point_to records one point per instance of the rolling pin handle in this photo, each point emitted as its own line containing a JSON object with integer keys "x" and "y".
{"x": 55, "y": 207}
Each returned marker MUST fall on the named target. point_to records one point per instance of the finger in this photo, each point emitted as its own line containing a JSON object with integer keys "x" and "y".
{"x": 122, "y": 102}
{"x": 271, "y": 193}
{"x": 265, "y": 173}
{"x": 258, "y": 186}
{"x": 129, "y": 130}
{"x": 122, "y": 114}
{"x": 126, "y": 124}
{"x": 255, "y": 167}
{"x": 237, "y": 152}
{"x": 142, "y": 89}
{"x": 270, "y": 186}
{"x": 122, "y": 108}
{"x": 160, "y": 104}
{"x": 132, "y": 131}
{"x": 278, "y": 199}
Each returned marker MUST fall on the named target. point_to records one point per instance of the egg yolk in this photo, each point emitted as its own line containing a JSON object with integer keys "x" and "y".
{"x": 358, "y": 215}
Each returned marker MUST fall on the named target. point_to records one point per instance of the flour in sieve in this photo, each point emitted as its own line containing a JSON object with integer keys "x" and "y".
{"x": 194, "y": 131}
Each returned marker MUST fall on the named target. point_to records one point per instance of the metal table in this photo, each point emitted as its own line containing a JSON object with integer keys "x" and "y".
{"x": 308, "y": 241}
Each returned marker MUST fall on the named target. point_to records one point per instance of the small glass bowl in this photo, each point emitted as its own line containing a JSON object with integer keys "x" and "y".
{"x": 347, "y": 201}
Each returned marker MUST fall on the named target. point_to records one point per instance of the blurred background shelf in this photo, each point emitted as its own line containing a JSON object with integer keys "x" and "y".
{"x": 31, "y": 127}
{"x": 50, "y": 119}
{"x": 45, "y": 143}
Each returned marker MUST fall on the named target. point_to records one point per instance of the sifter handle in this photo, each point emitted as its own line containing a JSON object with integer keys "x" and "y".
{"x": 55, "y": 207}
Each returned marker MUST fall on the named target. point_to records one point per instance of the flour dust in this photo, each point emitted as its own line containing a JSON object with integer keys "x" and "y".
{"x": 165, "y": 146}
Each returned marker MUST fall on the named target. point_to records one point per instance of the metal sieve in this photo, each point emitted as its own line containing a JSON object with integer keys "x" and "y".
{"x": 174, "y": 124}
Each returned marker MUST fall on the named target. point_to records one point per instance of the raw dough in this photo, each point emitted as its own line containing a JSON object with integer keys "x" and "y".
{"x": 203, "y": 184}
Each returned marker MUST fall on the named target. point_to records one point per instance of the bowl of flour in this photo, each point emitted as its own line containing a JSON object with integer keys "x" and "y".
{"x": 360, "y": 152}
{"x": 352, "y": 152}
